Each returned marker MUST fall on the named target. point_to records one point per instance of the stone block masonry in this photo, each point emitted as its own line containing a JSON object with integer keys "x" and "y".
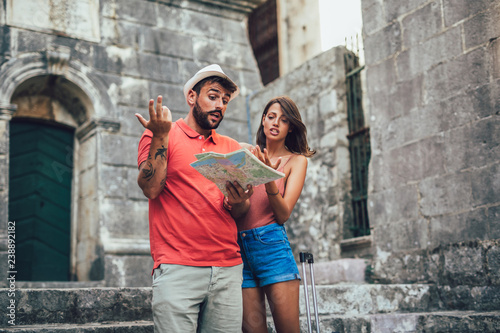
{"x": 433, "y": 91}
{"x": 112, "y": 58}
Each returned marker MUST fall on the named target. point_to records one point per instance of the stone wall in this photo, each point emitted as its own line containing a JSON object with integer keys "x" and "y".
{"x": 433, "y": 84}
{"x": 318, "y": 88}
{"x": 116, "y": 55}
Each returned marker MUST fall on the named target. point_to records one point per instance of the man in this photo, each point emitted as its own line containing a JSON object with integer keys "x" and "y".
{"x": 197, "y": 270}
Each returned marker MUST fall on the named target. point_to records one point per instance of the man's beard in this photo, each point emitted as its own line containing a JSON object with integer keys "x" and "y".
{"x": 201, "y": 117}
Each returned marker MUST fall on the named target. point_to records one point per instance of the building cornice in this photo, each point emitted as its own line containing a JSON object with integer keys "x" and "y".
{"x": 242, "y": 6}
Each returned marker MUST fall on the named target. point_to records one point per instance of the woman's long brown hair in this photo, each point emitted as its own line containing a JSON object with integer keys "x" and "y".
{"x": 296, "y": 140}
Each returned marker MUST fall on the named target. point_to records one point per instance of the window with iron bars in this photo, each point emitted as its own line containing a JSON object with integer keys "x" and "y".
{"x": 359, "y": 149}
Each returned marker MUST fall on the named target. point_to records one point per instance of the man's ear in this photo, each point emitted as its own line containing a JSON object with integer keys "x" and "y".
{"x": 191, "y": 97}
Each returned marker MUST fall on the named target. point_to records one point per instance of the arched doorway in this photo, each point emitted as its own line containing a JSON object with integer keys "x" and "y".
{"x": 40, "y": 171}
{"x": 42, "y": 147}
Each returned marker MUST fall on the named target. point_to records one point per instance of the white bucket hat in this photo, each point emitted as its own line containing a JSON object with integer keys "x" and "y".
{"x": 211, "y": 70}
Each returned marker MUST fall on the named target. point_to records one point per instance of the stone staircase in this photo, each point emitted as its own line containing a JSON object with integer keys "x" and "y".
{"x": 345, "y": 304}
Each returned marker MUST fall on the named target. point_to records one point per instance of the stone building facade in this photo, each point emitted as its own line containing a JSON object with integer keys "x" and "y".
{"x": 93, "y": 77}
{"x": 432, "y": 74}
{"x": 433, "y": 86}
{"x": 91, "y": 65}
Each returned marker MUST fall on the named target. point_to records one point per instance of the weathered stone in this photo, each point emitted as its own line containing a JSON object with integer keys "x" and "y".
{"x": 118, "y": 150}
{"x": 117, "y": 60}
{"x": 215, "y": 51}
{"x": 132, "y": 270}
{"x": 394, "y": 323}
{"x": 395, "y": 8}
{"x": 161, "y": 42}
{"x": 402, "y": 112}
{"x": 463, "y": 266}
{"x": 42, "y": 306}
{"x": 493, "y": 214}
{"x": 493, "y": 259}
{"x": 486, "y": 185}
{"x": 494, "y": 56}
{"x": 374, "y": 10}
{"x": 424, "y": 56}
{"x": 445, "y": 194}
{"x": 475, "y": 145}
{"x": 114, "y": 181}
{"x": 57, "y": 17}
{"x": 406, "y": 235}
{"x": 482, "y": 28}
{"x": 32, "y": 41}
{"x": 131, "y": 10}
{"x": 395, "y": 205}
{"x": 428, "y": 16}
{"x": 464, "y": 297}
{"x": 381, "y": 75}
{"x": 124, "y": 219}
{"x": 173, "y": 98}
{"x": 454, "y": 228}
{"x": 457, "y": 10}
{"x": 391, "y": 39}
{"x": 87, "y": 183}
{"x": 449, "y": 78}
{"x": 416, "y": 160}
{"x": 338, "y": 271}
{"x": 483, "y": 99}
{"x": 203, "y": 24}
{"x": 4, "y": 210}
{"x": 2, "y": 16}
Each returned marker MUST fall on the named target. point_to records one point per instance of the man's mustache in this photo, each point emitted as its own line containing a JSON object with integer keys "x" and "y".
{"x": 215, "y": 111}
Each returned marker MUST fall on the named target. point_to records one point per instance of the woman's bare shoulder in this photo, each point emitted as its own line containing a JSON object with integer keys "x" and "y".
{"x": 297, "y": 161}
{"x": 298, "y": 158}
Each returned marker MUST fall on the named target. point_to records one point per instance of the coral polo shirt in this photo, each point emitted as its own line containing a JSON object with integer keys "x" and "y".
{"x": 187, "y": 223}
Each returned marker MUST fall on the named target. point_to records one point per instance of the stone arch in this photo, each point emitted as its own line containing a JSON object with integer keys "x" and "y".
{"x": 93, "y": 90}
{"x": 80, "y": 100}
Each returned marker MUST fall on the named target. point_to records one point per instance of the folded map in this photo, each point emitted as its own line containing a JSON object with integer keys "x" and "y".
{"x": 240, "y": 165}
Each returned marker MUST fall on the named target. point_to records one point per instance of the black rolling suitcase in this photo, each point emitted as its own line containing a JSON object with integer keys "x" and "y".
{"x": 305, "y": 256}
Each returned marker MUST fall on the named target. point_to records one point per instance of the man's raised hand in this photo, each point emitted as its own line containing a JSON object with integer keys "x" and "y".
{"x": 160, "y": 118}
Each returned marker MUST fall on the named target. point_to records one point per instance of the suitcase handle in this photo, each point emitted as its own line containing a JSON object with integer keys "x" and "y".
{"x": 306, "y": 256}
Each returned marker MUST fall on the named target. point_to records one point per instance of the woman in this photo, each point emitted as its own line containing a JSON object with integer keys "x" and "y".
{"x": 269, "y": 268}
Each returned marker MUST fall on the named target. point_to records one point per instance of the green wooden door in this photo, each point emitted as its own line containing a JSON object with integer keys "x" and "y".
{"x": 41, "y": 158}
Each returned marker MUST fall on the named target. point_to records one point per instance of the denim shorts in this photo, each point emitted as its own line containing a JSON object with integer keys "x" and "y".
{"x": 267, "y": 256}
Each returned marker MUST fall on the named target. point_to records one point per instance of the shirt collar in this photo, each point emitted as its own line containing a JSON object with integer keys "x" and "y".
{"x": 214, "y": 136}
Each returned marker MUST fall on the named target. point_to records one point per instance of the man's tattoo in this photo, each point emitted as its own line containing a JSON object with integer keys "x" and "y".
{"x": 161, "y": 152}
{"x": 163, "y": 181}
{"x": 149, "y": 171}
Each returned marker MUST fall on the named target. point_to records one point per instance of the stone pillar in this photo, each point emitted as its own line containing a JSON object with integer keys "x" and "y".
{"x": 6, "y": 113}
{"x": 87, "y": 246}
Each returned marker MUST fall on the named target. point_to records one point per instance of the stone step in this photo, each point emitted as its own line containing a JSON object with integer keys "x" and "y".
{"x": 101, "y": 305}
{"x": 111, "y": 327}
{"x": 446, "y": 321}
{"x": 360, "y": 299}
{"x": 442, "y": 322}
{"x": 344, "y": 270}
{"x": 76, "y": 305}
